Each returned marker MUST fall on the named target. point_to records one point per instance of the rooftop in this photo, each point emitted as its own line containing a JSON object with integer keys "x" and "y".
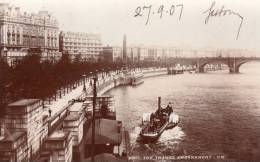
{"x": 24, "y": 102}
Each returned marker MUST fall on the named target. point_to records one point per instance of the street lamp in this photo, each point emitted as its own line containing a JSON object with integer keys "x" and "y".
{"x": 90, "y": 76}
{"x": 93, "y": 118}
{"x": 103, "y": 75}
{"x": 84, "y": 86}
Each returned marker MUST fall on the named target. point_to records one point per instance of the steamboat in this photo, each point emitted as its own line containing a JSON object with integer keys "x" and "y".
{"x": 154, "y": 124}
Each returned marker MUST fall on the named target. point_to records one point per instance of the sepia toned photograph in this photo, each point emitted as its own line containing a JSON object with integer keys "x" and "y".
{"x": 129, "y": 81}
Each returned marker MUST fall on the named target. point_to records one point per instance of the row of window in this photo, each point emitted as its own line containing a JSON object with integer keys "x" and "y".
{"x": 85, "y": 52}
{"x": 31, "y": 32}
{"x": 94, "y": 49}
{"x": 31, "y": 42}
{"x": 30, "y": 21}
{"x": 83, "y": 37}
{"x": 83, "y": 46}
{"x": 81, "y": 41}
{"x": 18, "y": 27}
{"x": 30, "y": 36}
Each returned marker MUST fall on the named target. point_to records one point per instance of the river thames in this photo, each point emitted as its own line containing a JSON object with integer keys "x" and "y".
{"x": 219, "y": 113}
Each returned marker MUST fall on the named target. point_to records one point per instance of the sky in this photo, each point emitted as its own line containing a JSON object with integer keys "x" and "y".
{"x": 114, "y": 18}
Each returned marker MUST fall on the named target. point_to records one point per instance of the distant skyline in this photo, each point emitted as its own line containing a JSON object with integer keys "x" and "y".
{"x": 114, "y": 18}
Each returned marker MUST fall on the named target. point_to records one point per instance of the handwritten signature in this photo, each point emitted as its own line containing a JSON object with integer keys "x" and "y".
{"x": 211, "y": 12}
{"x": 150, "y": 10}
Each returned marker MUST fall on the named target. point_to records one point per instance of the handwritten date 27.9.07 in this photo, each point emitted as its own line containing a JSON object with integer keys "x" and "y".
{"x": 148, "y": 11}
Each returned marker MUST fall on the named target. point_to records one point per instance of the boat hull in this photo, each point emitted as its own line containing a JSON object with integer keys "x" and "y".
{"x": 137, "y": 79}
{"x": 153, "y": 135}
{"x": 171, "y": 125}
{"x": 137, "y": 83}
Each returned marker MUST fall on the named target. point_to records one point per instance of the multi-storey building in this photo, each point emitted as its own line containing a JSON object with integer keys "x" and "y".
{"x": 152, "y": 54}
{"x": 134, "y": 55}
{"x": 159, "y": 53}
{"x": 166, "y": 53}
{"x": 22, "y": 33}
{"x": 128, "y": 54}
{"x": 87, "y": 46}
{"x": 113, "y": 54}
{"x": 143, "y": 53}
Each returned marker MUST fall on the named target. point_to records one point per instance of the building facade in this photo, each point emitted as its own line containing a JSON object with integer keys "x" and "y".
{"x": 24, "y": 33}
{"x": 159, "y": 53}
{"x": 134, "y": 53}
{"x": 113, "y": 54}
{"x": 152, "y": 54}
{"x": 143, "y": 53}
{"x": 87, "y": 46}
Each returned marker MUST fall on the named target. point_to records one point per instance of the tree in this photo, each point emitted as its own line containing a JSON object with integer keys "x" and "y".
{"x": 26, "y": 77}
{"x": 4, "y": 84}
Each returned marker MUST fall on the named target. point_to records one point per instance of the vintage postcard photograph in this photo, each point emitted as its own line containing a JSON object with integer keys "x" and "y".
{"x": 129, "y": 81}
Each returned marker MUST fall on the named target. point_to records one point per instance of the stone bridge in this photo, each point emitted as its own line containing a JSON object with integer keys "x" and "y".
{"x": 233, "y": 63}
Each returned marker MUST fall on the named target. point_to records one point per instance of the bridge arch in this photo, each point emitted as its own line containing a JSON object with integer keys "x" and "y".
{"x": 204, "y": 63}
{"x": 239, "y": 64}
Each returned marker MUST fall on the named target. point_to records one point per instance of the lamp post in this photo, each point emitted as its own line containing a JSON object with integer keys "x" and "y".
{"x": 84, "y": 86}
{"x": 93, "y": 118}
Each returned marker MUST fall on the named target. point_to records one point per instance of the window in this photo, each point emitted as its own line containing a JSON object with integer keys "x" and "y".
{"x": 18, "y": 39}
{"x": 8, "y": 38}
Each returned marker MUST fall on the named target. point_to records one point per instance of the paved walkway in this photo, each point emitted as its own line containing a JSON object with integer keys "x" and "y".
{"x": 61, "y": 103}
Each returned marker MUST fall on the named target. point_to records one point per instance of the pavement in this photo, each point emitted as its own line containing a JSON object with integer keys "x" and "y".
{"x": 61, "y": 103}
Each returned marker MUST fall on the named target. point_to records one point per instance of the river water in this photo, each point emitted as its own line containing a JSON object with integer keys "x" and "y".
{"x": 219, "y": 113}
